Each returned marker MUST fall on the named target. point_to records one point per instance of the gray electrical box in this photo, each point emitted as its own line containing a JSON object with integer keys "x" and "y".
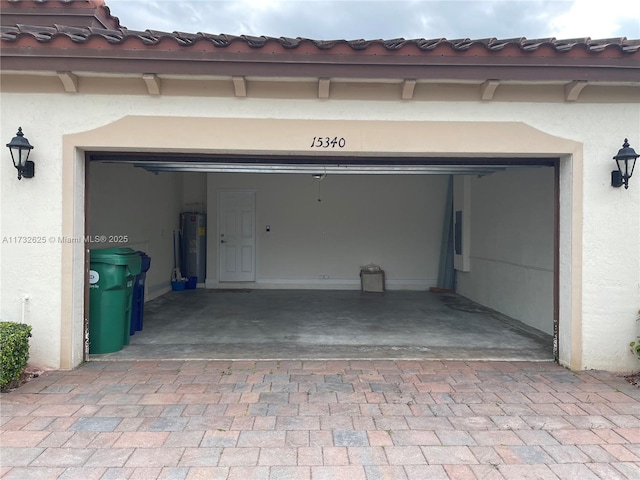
{"x": 194, "y": 245}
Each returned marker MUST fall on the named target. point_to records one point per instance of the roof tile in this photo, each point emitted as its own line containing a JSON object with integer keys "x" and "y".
{"x": 426, "y": 45}
{"x": 394, "y": 43}
{"x": 76, "y": 34}
{"x": 220, "y": 41}
{"x": 80, "y": 35}
{"x": 118, "y": 35}
{"x": 290, "y": 43}
{"x": 112, "y": 36}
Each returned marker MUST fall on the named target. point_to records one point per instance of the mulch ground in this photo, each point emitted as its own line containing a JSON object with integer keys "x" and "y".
{"x": 633, "y": 379}
{"x": 29, "y": 373}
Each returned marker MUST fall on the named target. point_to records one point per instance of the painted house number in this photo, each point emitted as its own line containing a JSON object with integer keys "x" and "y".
{"x": 326, "y": 142}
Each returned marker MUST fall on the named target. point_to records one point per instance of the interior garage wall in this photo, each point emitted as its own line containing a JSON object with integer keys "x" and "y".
{"x": 131, "y": 202}
{"x": 392, "y": 221}
{"x": 194, "y": 192}
{"x": 512, "y": 233}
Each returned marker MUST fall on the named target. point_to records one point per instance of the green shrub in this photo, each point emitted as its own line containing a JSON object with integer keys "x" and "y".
{"x": 14, "y": 350}
{"x": 635, "y": 346}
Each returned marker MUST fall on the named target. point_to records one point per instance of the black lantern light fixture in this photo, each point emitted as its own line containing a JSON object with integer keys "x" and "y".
{"x": 626, "y": 162}
{"x": 20, "y": 149}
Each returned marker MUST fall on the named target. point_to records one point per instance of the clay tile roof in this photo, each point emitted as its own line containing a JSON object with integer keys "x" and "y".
{"x": 84, "y": 36}
{"x": 96, "y": 22}
{"x": 79, "y": 13}
{"x": 630, "y": 46}
{"x": 119, "y": 36}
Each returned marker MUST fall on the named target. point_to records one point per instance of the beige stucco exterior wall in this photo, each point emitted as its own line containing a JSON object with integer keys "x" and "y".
{"x": 599, "y": 271}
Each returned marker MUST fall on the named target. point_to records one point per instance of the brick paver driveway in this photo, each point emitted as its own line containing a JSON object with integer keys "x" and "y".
{"x": 348, "y": 420}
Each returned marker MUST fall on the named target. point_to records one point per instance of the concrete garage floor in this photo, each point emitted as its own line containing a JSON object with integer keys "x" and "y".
{"x": 313, "y": 324}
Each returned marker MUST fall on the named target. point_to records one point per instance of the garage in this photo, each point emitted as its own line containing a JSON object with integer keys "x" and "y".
{"x": 308, "y": 224}
{"x": 504, "y": 145}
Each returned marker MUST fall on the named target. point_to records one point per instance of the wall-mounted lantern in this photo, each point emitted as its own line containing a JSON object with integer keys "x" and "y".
{"x": 626, "y": 162}
{"x": 20, "y": 149}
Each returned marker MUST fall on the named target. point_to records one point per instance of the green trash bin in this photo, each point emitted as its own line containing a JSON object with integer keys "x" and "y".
{"x": 111, "y": 279}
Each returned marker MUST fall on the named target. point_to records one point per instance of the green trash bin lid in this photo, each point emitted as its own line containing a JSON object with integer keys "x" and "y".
{"x": 118, "y": 256}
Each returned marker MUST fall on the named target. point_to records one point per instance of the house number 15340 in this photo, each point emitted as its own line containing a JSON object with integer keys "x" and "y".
{"x": 326, "y": 142}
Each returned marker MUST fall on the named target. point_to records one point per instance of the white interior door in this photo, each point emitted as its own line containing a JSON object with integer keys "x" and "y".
{"x": 236, "y": 236}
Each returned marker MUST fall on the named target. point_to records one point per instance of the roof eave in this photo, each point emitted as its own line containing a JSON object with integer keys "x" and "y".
{"x": 294, "y": 66}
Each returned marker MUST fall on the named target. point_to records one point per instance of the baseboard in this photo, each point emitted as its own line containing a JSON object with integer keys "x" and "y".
{"x": 156, "y": 291}
{"x": 324, "y": 284}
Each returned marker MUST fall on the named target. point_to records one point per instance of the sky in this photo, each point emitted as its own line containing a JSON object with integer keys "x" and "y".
{"x": 386, "y": 19}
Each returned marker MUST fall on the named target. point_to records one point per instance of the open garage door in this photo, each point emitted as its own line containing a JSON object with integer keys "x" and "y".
{"x": 316, "y": 221}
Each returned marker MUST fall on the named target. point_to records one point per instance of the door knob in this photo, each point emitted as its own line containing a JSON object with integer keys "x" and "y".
{"x": 221, "y": 241}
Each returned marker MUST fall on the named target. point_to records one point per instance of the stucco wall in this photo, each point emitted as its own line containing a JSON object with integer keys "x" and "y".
{"x": 511, "y": 257}
{"x": 608, "y": 278}
{"x": 611, "y": 258}
{"x": 392, "y": 221}
{"x": 30, "y": 253}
